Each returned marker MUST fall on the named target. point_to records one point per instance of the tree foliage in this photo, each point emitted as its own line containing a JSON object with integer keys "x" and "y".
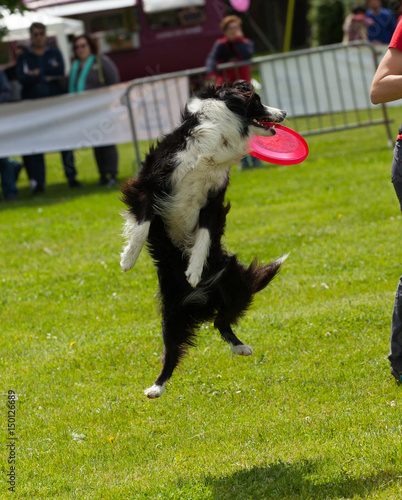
{"x": 326, "y": 19}
{"x": 11, "y": 6}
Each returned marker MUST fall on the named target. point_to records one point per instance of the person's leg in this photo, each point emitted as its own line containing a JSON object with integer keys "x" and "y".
{"x": 35, "y": 165}
{"x": 17, "y": 166}
{"x": 102, "y": 169}
{"x": 7, "y": 174}
{"x": 395, "y": 355}
{"x": 255, "y": 161}
{"x": 244, "y": 163}
{"x": 69, "y": 168}
{"x": 26, "y": 160}
{"x": 107, "y": 160}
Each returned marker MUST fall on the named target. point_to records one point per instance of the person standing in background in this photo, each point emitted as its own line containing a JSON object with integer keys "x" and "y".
{"x": 234, "y": 47}
{"x": 384, "y": 23}
{"x": 386, "y": 87}
{"x": 11, "y": 73}
{"x": 91, "y": 70}
{"x": 356, "y": 24}
{"x": 7, "y": 172}
{"x": 16, "y": 90}
{"x": 40, "y": 70}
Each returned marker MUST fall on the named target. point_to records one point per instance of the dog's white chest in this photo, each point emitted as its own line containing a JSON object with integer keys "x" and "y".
{"x": 189, "y": 196}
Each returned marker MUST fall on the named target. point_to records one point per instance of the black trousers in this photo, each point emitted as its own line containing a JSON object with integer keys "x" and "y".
{"x": 395, "y": 355}
{"x": 107, "y": 159}
{"x": 35, "y": 166}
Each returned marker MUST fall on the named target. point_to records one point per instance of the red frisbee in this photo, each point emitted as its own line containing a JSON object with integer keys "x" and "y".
{"x": 286, "y": 147}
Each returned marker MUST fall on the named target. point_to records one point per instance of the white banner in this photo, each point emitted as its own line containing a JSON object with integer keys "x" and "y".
{"x": 92, "y": 118}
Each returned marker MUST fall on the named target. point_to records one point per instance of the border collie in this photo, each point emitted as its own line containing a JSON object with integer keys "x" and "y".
{"x": 176, "y": 206}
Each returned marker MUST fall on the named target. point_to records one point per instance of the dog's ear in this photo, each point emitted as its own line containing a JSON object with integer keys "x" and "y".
{"x": 236, "y": 96}
{"x": 235, "y": 102}
{"x": 244, "y": 87}
{"x": 207, "y": 93}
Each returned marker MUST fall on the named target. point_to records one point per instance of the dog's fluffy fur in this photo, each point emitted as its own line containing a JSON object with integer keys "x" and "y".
{"x": 176, "y": 206}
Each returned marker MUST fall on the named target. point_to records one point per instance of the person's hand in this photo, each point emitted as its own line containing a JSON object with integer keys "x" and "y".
{"x": 34, "y": 72}
{"x": 233, "y": 31}
{"x": 238, "y": 33}
{"x": 210, "y": 80}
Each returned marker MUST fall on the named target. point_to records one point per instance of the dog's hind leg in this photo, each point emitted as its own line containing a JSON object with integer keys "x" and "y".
{"x": 236, "y": 345}
{"x": 176, "y": 338}
{"x": 236, "y": 293}
{"x": 170, "y": 360}
{"x": 234, "y": 299}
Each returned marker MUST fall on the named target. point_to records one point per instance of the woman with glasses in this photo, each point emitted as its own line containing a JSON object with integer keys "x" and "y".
{"x": 91, "y": 70}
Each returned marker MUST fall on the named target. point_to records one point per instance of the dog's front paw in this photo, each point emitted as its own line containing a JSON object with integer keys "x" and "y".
{"x": 193, "y": 277}
{"x": 242, "y": 350}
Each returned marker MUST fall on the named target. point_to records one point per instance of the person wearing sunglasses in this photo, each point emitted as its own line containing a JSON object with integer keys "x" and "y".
{"x": 91, "y": 70}
{"x": 40, "y": 70}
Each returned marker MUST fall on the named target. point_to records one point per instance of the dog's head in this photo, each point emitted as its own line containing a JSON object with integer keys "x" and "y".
{"x": 240, "y": 99}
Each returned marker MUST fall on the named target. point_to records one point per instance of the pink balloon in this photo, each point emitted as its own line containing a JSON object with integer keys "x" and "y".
{"x": 240, "y": 5}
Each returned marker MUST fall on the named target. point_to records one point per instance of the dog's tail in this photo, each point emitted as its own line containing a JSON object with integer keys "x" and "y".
{"x": 260, "y": 276}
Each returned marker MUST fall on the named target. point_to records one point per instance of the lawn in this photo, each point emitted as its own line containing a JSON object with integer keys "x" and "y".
{"x": 313, "y": 414}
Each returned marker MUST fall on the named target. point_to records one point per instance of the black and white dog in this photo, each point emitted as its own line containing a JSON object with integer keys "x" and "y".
{"x": 176, "y": 206}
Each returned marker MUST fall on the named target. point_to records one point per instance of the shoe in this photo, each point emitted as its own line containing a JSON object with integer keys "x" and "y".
{"x": 112, "y": 182}
{"x": 73, "y": 183}
{"x": 103, "y": 181}
{"x": 38, "y": 190}
{"x": 397, "y": 374}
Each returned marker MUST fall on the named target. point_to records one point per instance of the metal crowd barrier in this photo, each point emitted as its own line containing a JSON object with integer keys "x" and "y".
{"x": 325, "y": 89}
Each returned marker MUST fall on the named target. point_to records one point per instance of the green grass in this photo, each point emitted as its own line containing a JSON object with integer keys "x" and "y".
{"x": 309, "y": 416}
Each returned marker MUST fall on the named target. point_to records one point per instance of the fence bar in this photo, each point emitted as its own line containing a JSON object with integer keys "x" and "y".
{"x": 315, "y": 90}
{"x": 340, "y": 89}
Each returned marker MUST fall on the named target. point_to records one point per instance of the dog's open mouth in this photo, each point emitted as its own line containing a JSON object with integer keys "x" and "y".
{"x": 263, "y": 123}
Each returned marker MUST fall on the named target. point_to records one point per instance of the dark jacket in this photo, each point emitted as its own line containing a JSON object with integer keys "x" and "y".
{"x": 102, "y": 73}
{"x": 51, "y": 73}
{"x": 4, "y": 88}
{"x": 242, "y": 49}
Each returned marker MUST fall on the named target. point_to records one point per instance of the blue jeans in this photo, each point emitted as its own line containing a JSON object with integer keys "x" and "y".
{"x": 255, "y": 162}
{"x": 7, "y": 174}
